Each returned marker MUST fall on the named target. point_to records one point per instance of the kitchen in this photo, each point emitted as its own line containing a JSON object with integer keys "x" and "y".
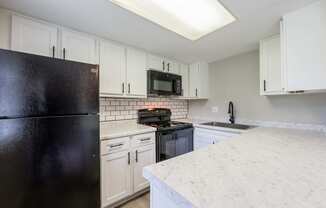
{"x": 161, "y": 115}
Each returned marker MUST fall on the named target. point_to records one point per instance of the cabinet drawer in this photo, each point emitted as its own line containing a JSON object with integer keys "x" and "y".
{"x": 114, "y": 145}
{"x": 143, "y": 139}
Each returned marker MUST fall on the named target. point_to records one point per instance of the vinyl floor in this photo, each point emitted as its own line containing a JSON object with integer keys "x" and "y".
{"x": 140, "y": 202}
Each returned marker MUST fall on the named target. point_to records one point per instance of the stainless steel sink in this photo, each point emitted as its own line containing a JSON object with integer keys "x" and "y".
{"x": 228, "y": 125}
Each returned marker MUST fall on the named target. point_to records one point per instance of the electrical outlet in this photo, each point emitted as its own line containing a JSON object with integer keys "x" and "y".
{"x": 215, "y": 109}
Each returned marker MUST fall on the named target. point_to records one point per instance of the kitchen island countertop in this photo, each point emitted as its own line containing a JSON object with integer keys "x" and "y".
{"x": 263, "y": 168}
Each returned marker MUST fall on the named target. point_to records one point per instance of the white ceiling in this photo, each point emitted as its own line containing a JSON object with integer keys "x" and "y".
{"x": 256, "y": 19}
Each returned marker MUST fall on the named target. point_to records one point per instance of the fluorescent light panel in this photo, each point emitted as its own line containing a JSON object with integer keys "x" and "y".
{"x": 190, "y": 18}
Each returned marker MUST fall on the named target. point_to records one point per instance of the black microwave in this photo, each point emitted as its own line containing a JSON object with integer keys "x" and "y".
{"x": 163, "y": 84}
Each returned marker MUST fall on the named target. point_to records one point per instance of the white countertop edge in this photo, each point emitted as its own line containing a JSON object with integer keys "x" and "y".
{"x": 127, "y": 133}
{"x": 123, "y": 128}
{"x": 178, "y": 199}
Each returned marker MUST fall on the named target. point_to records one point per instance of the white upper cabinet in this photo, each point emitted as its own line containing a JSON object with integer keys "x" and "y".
{"x": 271, "y": 73}
{"x": 304, "y": 48}
{"x": 184, "y": 73}
{"x": 79, "y": 47}
{"x": 33, "y": 37}
{"x": 199, "y": 80}
{"x": 193, "y": 79}
{"x": 112, "y": 69}
{"x": 203, "y": 91}
{"x": 159, "y": 63}
{"x": 171, "y": 66}
{"x": 136, "y": 73}
{"x": 155, "y": 62}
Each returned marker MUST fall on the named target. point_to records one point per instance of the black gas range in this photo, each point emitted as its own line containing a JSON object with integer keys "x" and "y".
{"x": 172, "y": 138}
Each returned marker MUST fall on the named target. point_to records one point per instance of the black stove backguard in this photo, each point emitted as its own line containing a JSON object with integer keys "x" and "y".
{"x": 158, "y": 116}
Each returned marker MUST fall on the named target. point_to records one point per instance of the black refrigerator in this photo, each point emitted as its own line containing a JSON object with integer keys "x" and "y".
{"x": 49, "y": 132}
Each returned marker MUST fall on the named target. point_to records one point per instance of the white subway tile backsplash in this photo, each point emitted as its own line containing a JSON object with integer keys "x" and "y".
{"x": 123, "y": 109}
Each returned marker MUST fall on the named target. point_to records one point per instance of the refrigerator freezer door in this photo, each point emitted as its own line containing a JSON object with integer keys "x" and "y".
{"x": 50, "y": 162}
{"x": 33, "y": 85}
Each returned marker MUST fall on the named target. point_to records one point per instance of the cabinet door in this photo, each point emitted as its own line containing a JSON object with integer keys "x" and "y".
{"x": 202, "y": 139}
{"x": 155, "y": 62}
{"x": 78, "y": 47}
{"x": 116, "y": 177}
{"x": 193, "y": 80}
{"x": 144, "y": 156}
{"x": 203, "y": 85}
{"x": 171, "y": 66}
{"x": 112, "y": 69}
{"x": 184, "y": 72}
{"x": 303, "y": 48}
{"x": 136, "y": 73}
{"x": 33, "y": 37}
{"x": 271, "y": 75}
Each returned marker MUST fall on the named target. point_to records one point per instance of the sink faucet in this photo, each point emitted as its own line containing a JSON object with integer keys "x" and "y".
{"x": 231, "y": 112}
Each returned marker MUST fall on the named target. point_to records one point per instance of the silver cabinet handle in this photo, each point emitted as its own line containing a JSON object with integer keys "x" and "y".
{"x": 123, "y": 87}
{"x": 129, "y": 88}
{"x": 128, "y": 158}
{"x": 116, "y": 145}
{"x": 163, "y": 65}
{"x": 143, "y": 140}
{"x": 136, "y": 156}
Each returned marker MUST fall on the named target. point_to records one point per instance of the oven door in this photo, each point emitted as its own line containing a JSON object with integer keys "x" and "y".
{"x": 165, "y": 145}
{"x": 160, "y": 83}
{"x": 184, "y": 141}
{"x": 173, "y": 143}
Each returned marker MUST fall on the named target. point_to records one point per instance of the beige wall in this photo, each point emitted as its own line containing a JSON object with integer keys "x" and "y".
{"x": 5, "y": 20}
{"x": 237, "y": 79}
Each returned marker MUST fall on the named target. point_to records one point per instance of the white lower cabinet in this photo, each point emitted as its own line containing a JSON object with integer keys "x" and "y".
{"x": 115, "y": 177}
{"x": 205, "y": 137}
{"x": 144, "y": 156}
{"x": 122, "y": 163}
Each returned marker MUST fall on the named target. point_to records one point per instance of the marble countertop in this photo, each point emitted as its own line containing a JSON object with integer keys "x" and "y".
{"x": 114, "y": 129}
{"x": 263, "y": 168}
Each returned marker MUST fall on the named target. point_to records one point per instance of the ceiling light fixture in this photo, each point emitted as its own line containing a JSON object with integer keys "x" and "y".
{"x": 192, "y": 19}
